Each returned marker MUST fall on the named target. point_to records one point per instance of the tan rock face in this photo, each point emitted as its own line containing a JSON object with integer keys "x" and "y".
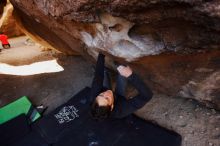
{"x": 2, "y": 5}
{"x": 7, "y": 22}
{"x": 173, "y": 44}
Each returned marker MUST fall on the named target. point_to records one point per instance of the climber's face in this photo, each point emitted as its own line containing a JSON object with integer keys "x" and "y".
{"x": 105, "y": 99}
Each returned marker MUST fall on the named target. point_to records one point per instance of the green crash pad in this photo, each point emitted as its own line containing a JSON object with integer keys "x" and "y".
{"x": 14, "y": 109}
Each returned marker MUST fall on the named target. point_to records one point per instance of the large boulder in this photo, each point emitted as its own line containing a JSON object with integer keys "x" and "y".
{"x": 2, "y": 5}
{"x": 7, "y": 22}
{"x": 173, "y": 44}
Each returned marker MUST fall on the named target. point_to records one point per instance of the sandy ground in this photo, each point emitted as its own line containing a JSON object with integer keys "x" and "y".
{"x": 50, "y": 89}
{"x": 198, "y": 125}
{"x": 23, "y": 52}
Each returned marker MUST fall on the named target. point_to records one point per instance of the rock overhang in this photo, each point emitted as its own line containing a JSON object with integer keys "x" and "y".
{"x": 135, "y": 31}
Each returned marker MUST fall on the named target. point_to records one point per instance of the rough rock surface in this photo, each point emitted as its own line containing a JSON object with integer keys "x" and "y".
{"x": 174, "y": 44}
{"x": 2, "y": 5}
{"x": 198, "y": 126}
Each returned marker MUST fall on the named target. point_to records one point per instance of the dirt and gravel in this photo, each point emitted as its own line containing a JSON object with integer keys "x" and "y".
{"x": 198, "y": 125}
{"x": 50, "y": 89}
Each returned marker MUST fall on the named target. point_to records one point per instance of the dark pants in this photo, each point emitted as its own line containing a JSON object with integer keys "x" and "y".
{"x": 101, "y": 81}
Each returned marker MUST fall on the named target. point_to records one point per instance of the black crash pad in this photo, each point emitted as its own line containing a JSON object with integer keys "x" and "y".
{"x": 71, "y": 125}
{"x": 17, "y": 132}
{"x": 31, "y": 139}
{"x": 13, "y": 130}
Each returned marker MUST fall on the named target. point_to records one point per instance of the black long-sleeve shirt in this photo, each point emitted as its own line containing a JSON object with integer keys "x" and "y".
{"x": 122, "y": 106}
